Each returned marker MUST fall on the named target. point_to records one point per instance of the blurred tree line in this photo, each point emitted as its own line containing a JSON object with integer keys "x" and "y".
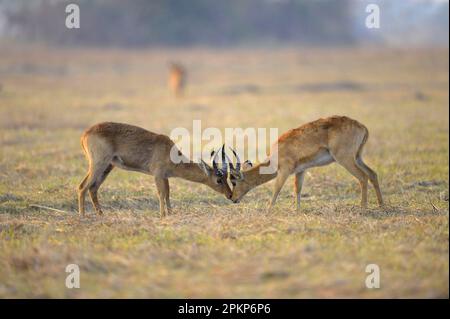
{"x": 181, "y": 22}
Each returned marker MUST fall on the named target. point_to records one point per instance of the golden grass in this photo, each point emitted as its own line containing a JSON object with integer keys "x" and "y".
{"x": 210, "y": 247}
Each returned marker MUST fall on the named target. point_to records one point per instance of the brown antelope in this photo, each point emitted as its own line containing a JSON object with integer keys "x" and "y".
{"x": 177, "y": 78}
{"x": 322, "y": 142}
{"x": 108, "y": 145}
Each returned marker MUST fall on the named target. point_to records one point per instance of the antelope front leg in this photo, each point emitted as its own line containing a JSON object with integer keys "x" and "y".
{"x": 167, "y": 198}
{"x": 299, "y": 177}
{"x": 279, "y": 182}
{"x": 161, "y": 188}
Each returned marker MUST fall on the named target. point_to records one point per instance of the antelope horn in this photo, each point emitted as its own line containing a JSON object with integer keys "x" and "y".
{"x": 214, "y": 154}
{"x": 238, "y": 161}
{"x": 230, "y": 162}
{"x": 224, "y": 162}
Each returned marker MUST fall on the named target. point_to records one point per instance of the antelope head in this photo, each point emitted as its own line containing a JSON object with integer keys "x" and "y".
{"x": 237, "y": 177}
{"x": 217, "y": 176}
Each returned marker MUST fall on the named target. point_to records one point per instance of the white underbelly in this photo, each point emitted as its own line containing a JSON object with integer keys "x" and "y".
{"x": 321, "y": 159}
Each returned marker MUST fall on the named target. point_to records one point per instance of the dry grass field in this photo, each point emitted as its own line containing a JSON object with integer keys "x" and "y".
{"x": 211, "y": 247}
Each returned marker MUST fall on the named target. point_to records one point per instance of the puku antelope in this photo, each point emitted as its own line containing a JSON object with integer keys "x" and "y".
{"x": 319, "y": 143}
{"x": 177, "y": 78}
{"x": 108, "y": 145}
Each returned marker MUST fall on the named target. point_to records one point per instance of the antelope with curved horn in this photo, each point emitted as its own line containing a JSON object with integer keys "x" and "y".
{"x": 318, "y": 143}
{"x": 108, "y": 145}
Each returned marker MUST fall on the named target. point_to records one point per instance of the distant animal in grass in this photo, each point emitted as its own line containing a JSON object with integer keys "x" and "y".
{"x": 318, "y": 143}
{"x": 109, "y": 145}
{"x": 177, "y": 79}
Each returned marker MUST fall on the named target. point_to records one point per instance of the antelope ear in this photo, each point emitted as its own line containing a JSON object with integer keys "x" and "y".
{"x": 204, "y": 167}
{"x": 246, "y": 165}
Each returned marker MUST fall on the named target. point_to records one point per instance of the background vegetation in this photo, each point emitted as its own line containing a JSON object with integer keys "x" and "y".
{"x": 141, "y": 23}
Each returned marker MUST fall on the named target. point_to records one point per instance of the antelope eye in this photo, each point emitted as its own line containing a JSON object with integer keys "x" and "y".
{"x": 219, "y": 181}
